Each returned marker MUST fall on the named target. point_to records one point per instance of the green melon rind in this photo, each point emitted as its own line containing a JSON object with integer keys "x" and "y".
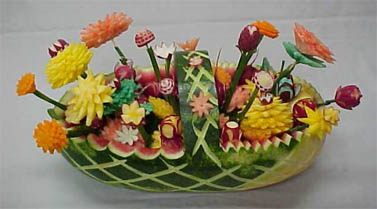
{"x": 93, "y": 143}
{"x": 197, "y": 132}
{"x": 266, "y": 171}
{"x": 60, "y": 114}
{"x": 300, "y": 158}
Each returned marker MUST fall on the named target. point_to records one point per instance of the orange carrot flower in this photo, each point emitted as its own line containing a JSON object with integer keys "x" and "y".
{"x": 308, "y": 43}
{"x": 104, "y": 30}
{"x": 223, "y": 76}
{"x": 189, "y": 45}
{"x": 50, "y": 136}
{"x": 266, "y": 28}
{"x": 26, "y": 85}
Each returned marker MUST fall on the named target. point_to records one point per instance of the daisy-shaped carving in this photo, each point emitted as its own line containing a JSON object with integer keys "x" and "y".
{"x": 127, "y": 135}
{"x": 200, "y": 105}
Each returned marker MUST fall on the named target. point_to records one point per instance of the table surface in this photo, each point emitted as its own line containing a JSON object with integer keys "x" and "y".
{"x": 344, "y": 174}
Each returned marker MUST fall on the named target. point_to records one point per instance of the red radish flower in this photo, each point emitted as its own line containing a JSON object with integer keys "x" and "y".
{"x": 266, "y": 98}
{"x": 298, "y": 110}
{"x": 167, "y": 86}
{"x": 348, "y": 97}
{"x": 152, "y": 89}
{"x": 124, "y": 72}
{"x": 263, "y": 80}
{"x": 144, "y": 37}
{"x": 247, "y": 74}
{"x": 231, "y": 133}
{"x": 59, "y": 45}
{"x": 195, "y": 61}
{"x": 97, "y": 123}
{"x": 249, "y": 38}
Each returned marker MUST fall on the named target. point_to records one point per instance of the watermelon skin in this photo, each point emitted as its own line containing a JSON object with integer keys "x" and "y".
{"x": 243, "y": 170}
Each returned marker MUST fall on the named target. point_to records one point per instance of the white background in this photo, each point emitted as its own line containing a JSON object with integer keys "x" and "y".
{"x": 344, "y": 175}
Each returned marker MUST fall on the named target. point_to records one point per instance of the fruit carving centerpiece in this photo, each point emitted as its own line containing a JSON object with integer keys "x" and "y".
{"x": 187, "y": 123}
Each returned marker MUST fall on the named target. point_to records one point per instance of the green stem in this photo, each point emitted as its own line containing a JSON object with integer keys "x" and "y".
{"x": 298, "y": 128}
{"x": 123, "y": 58}
{"x": 327, "y": 102}
{"x": 248, "y": 105}
{"x": 49, "y": 100}
{"x": 282, "y": 66}
{"x": 147, "y": 138}
{"x": 244, "y": 59}
{"x": 284, "y": 73}
{"x": 154, "y": 63}
{"x": 167, "y": 65}
{"x": 82, "y": 131}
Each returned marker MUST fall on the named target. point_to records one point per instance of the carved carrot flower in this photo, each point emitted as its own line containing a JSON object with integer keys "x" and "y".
{"x": 26, "y": 85}
{"x": 189, "y": 45}
{"x": 266, "y": 28}
{"x": 50, "y": 136}
{"x": 200, "y": 105}
{"x": 308, "y": 43}
{"x": 223, "y": 76}
{"x": 133, "y": 113}
{"x": 105, "y": 30}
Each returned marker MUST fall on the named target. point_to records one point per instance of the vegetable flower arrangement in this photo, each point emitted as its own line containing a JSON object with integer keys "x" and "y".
{"x": 187, "y": 124}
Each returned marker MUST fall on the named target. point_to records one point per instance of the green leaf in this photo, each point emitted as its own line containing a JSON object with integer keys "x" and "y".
{"x": 51, "y": 112}
{"x": 267, "y": 66}
{"x": 148, "y": 108}
{"x": 301, "y": 58}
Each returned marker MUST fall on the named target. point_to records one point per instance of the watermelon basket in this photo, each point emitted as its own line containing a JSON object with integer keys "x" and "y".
{"x": 189, "y": 124}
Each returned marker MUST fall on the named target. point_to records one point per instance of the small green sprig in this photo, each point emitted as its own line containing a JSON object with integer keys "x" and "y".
{"x": 244, "y": 59}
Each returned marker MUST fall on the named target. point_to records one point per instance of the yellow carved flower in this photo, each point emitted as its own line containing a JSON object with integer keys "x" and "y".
{"x": 161, "y": 108}
{"x": 90, "y": 94}
{"x": 68, "y": 65}
{"x": 320, "y": 121}
{"x": 249, "y": 85}
{"x": 331, "y": 115}
{"x": 156, "y": 137}
{"x": 263, "y": 121}
{"x": 50, "y": 136}
{"x": 133, "y": 113}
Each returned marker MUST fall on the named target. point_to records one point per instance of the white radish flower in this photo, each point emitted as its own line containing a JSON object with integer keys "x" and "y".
{"x": 167, "y": 86}
{"x": 163, "y": 51}
{"x": 127, "y": 135}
